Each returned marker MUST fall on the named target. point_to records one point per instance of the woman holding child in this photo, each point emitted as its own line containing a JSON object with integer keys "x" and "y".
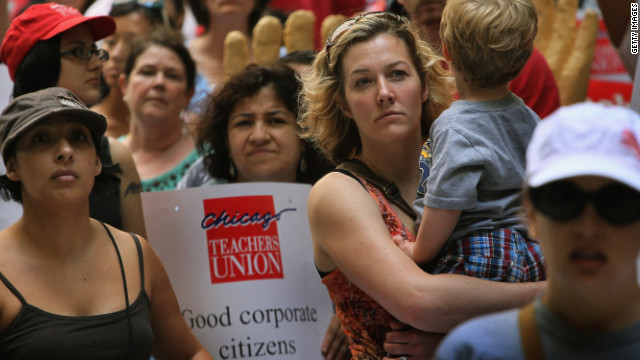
{"x": 374, "y": 91}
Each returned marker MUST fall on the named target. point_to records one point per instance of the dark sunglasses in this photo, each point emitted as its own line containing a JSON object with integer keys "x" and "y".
{"x": 563, "y": 200}
{"x": 348, "y": 24}
{"x": 84, "y": 53}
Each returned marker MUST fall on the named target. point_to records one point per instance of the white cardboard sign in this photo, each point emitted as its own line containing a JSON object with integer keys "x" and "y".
{"x": 240, "y": 260}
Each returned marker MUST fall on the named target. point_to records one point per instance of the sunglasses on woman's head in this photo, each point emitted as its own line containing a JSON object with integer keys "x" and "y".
{"x": 563, "y": 200}
{"x": 348, "y": 24}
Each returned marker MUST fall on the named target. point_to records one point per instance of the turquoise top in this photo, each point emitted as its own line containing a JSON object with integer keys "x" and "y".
{"x": 169, "y": 180}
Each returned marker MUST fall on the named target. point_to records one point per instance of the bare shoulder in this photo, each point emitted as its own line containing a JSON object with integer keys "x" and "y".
{"x": 127, "y": 245}
{"x": 126, "y": 240}
{"x": 336, "y": 190}
{"x": 339, "y": 205}
{"x": 119, "y": 152}
{"x": 130, "y": 183}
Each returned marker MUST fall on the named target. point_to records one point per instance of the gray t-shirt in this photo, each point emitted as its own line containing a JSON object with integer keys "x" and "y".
{"x": 497, "y": 337}
{"x": 478, "y": 150}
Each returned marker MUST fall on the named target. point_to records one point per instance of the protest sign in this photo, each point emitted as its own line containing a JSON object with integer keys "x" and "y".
{"x": 240, "y": 260}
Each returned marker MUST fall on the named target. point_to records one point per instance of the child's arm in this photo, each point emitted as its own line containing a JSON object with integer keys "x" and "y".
{"x": 435, "y": 229}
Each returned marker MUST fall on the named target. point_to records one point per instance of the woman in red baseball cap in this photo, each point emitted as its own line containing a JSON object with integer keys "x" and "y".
{"x": 54, "y": 45}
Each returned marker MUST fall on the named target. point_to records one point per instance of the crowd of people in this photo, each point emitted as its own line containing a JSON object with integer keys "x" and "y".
{"x": 432, "y": 136}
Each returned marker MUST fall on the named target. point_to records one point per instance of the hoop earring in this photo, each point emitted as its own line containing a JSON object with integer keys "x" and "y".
{"x": 232, "y": 169}
{"x": 303, "y": 162}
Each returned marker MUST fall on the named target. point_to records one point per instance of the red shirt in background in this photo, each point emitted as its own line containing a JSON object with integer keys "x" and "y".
{"x": 537, "y": 86}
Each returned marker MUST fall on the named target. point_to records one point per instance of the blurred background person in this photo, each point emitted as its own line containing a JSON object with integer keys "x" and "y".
{"x": 218, "y": 18}
{"x": 158, "y": 83}
{"x": 132, "y": 21}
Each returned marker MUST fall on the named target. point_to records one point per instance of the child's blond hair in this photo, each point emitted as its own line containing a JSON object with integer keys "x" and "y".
{"x": 489, "y": 41}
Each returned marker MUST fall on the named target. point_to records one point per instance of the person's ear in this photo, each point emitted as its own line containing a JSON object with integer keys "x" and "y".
{"x": 122, "y": 81}
{"x": 98, "y": 169}
{"x": 344, "y": 107}
{"x": 425, "y": 93}
{"x": 12, "y": 172}
{"x": 445, "y": 52}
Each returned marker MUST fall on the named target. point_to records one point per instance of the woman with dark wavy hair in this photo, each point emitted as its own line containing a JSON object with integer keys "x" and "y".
{"x": 249, "y": 132}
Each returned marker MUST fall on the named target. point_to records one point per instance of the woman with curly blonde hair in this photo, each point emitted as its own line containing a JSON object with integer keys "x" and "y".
{"x": 369, "y": 102}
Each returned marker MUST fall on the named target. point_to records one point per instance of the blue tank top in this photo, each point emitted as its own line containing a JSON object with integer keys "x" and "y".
{"x": 37, "y": 334}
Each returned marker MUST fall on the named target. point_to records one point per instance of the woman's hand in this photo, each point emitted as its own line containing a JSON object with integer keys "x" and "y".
{"x": 335, "y": 345}
{"x": 413, "y": 344}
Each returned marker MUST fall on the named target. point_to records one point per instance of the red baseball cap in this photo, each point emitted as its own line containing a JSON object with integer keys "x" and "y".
{"x": 42, "y": 22}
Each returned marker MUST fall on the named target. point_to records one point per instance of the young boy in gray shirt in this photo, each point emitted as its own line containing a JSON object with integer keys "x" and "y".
{"x": 471, "y": 223}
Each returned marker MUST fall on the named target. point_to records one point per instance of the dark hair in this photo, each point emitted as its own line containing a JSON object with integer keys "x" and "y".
{"x": 153, "y": 14}
{"x": 110, "y": 174}
{"x": 393, "y": 6}
{"x": 179, "y": 8}
{"x": 169, "y": 39}
{"x": 305, "y": 57}
{"x": 84, "y": 8}
{"x": 9, "y": 189}
{"x": 202, "y": 14}
{"x": 40, "y": 68}
{"x": 213, "y": 134}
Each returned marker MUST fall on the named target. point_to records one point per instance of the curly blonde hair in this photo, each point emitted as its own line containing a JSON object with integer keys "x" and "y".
{"x": 323, "y": 122}
{"x": 489, "y": 41}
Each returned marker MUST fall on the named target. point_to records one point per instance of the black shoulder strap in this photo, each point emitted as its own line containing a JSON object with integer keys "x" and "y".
{"x": 12, "y": 288}
{"x": 126, "y": 292}
{"x": 140, "y": 258}
{"x": 388, "y": 188}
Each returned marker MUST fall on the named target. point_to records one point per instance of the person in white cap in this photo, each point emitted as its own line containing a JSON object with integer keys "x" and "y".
{"x": 582, "y": 195}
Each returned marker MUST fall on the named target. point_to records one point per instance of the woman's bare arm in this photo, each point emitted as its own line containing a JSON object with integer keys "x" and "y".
{"x": 349, "y": 233}
{"x": 130, "y": 189}
{"x": 173, "y": 338}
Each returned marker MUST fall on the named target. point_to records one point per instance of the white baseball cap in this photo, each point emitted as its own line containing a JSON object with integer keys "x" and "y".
{"x": 586, "y": 139}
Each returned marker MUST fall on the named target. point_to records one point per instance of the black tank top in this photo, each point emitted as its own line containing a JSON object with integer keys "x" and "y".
{"x": 104, "y": 200}
{"x": 37, "y": 334}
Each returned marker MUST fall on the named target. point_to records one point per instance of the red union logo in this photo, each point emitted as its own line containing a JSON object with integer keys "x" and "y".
{"x": 242, "y": 238}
